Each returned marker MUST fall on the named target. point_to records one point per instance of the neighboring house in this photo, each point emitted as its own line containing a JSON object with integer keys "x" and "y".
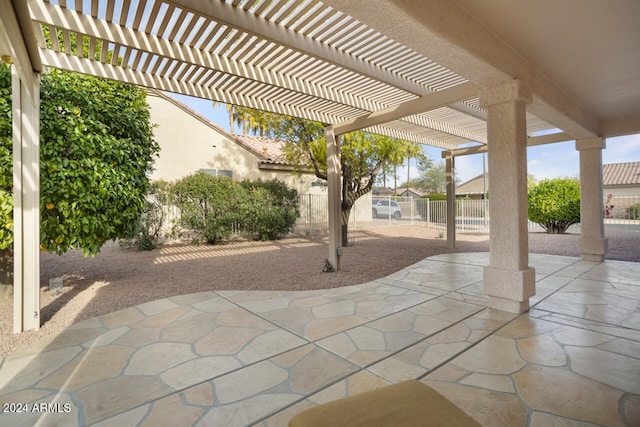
{"x": 474, "y": 188}
{"x": 622, "y": 182}
{"x": 621, "y": 179}
{"x": 190, "y": 142}
{"x": 411, "y": 192}
{"x": 382, "y": 191}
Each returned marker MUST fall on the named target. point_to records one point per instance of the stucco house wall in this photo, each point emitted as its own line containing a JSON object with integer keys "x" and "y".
{"x": 622, "y": 191}
{"x": 189, "y": 143}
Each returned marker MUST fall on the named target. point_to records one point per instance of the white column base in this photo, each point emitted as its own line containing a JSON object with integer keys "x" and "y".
{"x": 509, "y": 290}
{"x": 592, "y": 248}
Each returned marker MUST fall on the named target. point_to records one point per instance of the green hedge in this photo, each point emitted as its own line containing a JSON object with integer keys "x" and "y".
{"x": 274, "y": 209}
{"x": 217, "y": 207}
{"x": 554, "y": 204}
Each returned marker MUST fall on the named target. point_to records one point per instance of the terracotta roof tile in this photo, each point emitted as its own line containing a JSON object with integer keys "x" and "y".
{"x": 269, "y": 150}
{"x": 621, "y": 174}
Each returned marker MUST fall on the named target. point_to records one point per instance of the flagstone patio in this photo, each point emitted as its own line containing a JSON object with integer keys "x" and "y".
{"x": 257, "y": 358}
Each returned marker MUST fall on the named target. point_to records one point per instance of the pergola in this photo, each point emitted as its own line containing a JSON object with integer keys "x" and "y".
{"x": 438, "y": 72}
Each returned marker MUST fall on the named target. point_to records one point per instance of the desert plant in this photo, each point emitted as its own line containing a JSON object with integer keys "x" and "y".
{"x": 555, "y": 204}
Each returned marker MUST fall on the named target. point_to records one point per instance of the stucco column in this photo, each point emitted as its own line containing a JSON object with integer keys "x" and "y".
{"x": 592, "y": 244}
{"x": 333, "y": 183}
{"x": 508, "y": 280}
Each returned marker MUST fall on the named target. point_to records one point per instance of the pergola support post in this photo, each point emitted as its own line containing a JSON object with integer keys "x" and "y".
{"x": 451, "y": 200}
{"x": 26, "y": 196}
{"x": 21, "y": 51}
{"x": 333, "y": 181}
{"x": 592, "y": 244}
{"x": 508, "y": 280}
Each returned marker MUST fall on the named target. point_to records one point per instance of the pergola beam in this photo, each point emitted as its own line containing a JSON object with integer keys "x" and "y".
{"x": 128, "y": 75}
{"x": 30, "y": 43}
{"x": 446, "y": 128}
{"x": 50, "y": 14}
{"x": 531, "y": 142}
{"x": 257, "y": 26}
{"x": 415, "y": 106}
{"x": 446, "y": 27}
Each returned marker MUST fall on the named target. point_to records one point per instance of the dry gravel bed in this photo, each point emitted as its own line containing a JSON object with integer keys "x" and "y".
{"x": 119, "y": 278}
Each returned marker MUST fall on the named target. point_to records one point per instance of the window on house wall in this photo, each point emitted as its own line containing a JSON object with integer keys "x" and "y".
{"x": 218, "y": 172}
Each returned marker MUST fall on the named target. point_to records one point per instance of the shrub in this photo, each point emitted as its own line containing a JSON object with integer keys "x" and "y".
{"x": 210, "y": 205}
{"x": 633, "y": 211}
{"x": 6, "y": 162}
{"x": 216, "y": 207}
{"x": 555, "y": 204}
{"x": 96, "y": 147}
{"x": 147, "y": 232}
{"x": 608, "y": 206}
{"x": 6, "y": 220}
{"x": 273, "y": 209}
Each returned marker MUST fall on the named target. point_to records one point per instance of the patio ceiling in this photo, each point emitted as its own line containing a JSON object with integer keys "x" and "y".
{"x": 411, "y": 70}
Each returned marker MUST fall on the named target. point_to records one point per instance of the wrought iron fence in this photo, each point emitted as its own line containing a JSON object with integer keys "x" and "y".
{"x": 622, "y": 212}
{"x": 471, "y": 215}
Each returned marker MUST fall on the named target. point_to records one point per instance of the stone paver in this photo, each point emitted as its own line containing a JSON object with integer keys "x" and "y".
{"x": 242, "y": 358}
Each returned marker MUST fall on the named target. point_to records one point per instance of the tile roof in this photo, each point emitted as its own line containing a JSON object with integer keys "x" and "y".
{"x": 415, "y": 190}
{"x": 267, "y": 149}
{"x": 621, "y": 174}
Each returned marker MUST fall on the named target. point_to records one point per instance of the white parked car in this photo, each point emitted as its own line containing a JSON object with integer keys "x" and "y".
{"x": 386, "y": 208}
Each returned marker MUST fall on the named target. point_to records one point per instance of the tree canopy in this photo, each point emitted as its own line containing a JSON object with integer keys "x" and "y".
{"x": 96, "y": 147}
{"x": 433, "y": 176}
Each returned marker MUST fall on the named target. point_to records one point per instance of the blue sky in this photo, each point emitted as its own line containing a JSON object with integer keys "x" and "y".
{"x": 543, "y": 162}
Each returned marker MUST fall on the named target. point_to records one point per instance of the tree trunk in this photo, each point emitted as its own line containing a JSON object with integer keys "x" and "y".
{"x": 395, "y": 179}
{"x": 557, "y": 227}
{"x": 6, "y": 274}
{"x": 344, "y": 224}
